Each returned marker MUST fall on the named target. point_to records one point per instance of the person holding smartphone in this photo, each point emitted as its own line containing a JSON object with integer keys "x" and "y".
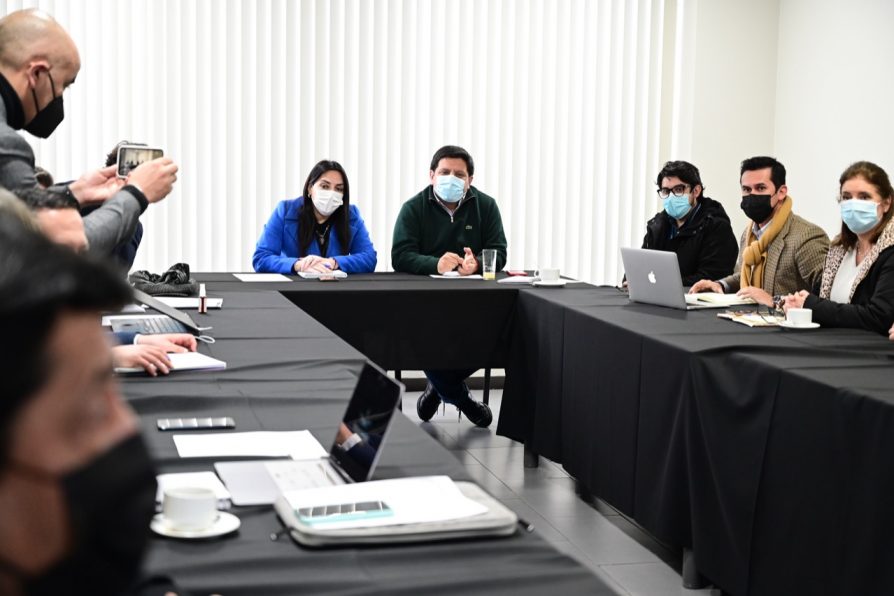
{"x": 320, "y": 231}
{"x": 38, "y": 62}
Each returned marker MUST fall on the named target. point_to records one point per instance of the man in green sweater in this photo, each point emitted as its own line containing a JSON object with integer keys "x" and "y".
{"x": 443, "y": 229}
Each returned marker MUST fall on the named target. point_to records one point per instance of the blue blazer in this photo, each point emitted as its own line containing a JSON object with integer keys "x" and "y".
{"x": 277, "y": 248}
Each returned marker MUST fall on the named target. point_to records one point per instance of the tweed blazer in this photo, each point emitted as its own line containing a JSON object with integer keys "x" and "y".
{"x": 794, "y": 259}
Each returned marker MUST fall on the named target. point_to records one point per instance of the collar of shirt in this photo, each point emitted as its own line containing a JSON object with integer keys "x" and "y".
{"x": 759, "y": 230}
{"x": 15, "y": 114}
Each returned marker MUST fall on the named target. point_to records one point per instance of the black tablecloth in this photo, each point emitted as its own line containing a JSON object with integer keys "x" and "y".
{"x": 285, "y": 372}
{"x": 764, "y": 450}
{"x": 402, "y": 321}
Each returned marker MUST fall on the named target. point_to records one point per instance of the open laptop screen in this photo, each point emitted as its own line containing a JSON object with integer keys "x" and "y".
{"x": 359, "y": 438}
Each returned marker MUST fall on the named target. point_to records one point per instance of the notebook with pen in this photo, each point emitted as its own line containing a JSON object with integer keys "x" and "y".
{"x": 352, "y": 457}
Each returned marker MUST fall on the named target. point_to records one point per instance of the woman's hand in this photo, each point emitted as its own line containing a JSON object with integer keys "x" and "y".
{"x": 795, "y": 300}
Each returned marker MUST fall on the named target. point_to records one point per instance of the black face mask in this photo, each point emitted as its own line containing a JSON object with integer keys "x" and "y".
{"x": 757, "y": 207}
{"x": 45, "y": 122}
{"x": 110, "y": 502}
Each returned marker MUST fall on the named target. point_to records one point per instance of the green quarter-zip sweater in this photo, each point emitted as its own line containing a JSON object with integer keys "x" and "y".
{"x": 425, "y": 230}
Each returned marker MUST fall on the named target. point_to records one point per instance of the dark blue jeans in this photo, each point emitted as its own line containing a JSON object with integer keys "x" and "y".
{"x": 450, "y": 384}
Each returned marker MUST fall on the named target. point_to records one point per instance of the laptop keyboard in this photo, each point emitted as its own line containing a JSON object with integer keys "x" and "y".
{"x": 160, "y": 325}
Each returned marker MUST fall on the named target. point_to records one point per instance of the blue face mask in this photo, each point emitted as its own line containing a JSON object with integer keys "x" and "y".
{"x": 449, "y": 189}
{"x": 677, "y": 207}
{"x": 859, "y": 215}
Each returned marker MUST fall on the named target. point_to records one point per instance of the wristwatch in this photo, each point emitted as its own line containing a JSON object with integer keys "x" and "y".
{"x": 778, "y": 302}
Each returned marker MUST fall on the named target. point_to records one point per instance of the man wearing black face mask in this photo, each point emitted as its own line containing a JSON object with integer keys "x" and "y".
{"x": 38, "y": 61}
{"x": 779, "y": 251}
{"x": 77, "y": 487}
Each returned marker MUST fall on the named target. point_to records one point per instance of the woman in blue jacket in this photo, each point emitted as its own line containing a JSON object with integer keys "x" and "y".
{"x": 321, "y": 234}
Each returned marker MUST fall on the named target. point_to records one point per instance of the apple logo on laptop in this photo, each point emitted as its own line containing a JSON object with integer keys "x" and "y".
{"x": 651, "y": 277}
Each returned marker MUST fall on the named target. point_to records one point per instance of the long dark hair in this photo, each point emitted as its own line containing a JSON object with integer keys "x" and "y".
{"x": 877, "y": 177}
{"x": 339, "y": 219}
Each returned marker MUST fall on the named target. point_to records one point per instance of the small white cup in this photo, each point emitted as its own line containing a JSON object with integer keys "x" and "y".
{"x": 189, "y": 508}
{"x": 799, "y": 317}
{"x": 548, "y": 275}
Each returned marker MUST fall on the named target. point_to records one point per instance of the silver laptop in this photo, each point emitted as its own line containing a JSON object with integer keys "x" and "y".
{"x": 170, "y": 320}
{"x": 653, "y": 277}
{"x": 353, "y": 456}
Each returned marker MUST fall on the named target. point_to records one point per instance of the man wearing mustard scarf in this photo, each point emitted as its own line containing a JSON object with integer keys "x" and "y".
{"x": 779, "y": 251}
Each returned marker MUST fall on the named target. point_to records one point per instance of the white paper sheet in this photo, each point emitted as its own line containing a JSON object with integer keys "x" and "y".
{"x": 717, "y": 298}
{"x": 455, "y": 276}
{"x": 261, "y": 277}
{"x": 412, "y": 500}
{"x": 191, "y": 479}
{"x": 187, "y": 303}
{"x": 183, "y": 362}
{"x": 518, "y": 280}
{"x": 338, "y": 274}
{"x": 298, "y": 444}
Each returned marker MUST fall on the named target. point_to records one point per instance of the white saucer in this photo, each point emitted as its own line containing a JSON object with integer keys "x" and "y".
{"x": 787, "y": 325}
{"x": 550, "y": 284}
{"x": 226, "y": 523}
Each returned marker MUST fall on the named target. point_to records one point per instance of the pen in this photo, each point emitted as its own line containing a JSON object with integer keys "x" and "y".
{"x": 525, "y": 525}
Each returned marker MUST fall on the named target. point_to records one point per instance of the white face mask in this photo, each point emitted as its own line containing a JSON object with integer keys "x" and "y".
{"x": 327, "y": 201}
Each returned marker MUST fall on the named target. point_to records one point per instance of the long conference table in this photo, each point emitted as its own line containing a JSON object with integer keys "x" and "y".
{"x": 764, "y": 451}
{"x": 286, "y": 371}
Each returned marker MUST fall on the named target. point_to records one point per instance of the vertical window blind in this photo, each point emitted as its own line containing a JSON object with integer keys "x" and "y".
{"x": 565, "y": 106}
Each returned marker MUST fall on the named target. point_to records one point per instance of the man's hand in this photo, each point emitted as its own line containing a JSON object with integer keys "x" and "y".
{"x": 169, "y": 342}
{"x": 891, "y": 333}
{"x": 706, "y": 285}
{"x": 795, "y": 300}
{"x": 96, "y": 186}
{"x": 756, "y": 294}
{"x": 449, "y": 262}
{"x": 155, "y": 178}
{"x": 469, "y": 265}
{"x": 152, "y": 359}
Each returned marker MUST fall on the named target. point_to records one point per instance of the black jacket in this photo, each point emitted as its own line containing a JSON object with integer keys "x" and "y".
{"x": 872, "y": 305}
{"x": 706, "y": 246}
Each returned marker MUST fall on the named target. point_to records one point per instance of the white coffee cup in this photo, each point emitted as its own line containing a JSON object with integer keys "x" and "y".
{"x": 799, "y": 317}
{"x": 189, "y": 508}
{"x": 547, "y": 275}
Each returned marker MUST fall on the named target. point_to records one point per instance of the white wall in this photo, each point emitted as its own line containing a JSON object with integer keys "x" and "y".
{"x": 734, "y": 104}
{"x": 835, "y": 97}
{"x": 807, "y": 81}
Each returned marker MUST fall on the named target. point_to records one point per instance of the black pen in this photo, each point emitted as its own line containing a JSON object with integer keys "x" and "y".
{"x": 526, "y": 526}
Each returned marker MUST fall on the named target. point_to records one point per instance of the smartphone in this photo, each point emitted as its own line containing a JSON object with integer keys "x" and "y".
{"x": 131, "y": 156}
{"x": 205, "y": 423}
{"x": 516, "y": 272}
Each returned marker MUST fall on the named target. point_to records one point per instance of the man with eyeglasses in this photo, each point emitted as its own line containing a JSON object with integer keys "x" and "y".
{"x": 691, "y": 225}
{"x": 780, "y": 252}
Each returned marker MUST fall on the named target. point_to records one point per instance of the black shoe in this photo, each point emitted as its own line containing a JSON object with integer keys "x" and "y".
{"x": 428, "y": 403}
{"x": 476, "y": 412}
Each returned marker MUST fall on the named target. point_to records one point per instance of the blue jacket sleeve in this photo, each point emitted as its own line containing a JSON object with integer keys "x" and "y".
{"x": 361, "y": 257}
{"x": 268, "y": 252}
{"x": 124, "y": 338}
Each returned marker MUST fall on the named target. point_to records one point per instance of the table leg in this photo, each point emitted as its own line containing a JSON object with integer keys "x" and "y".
{"x": 532, "y": 460}
{"x": 692, "y": 579}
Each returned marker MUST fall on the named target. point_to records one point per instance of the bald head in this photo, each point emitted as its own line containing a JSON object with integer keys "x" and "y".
{"x": 27, "y": 35}
{"x": 37, "y": 57}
